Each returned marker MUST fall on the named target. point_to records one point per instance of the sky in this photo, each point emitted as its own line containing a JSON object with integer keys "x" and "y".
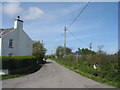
{"x": 98, "y": 23}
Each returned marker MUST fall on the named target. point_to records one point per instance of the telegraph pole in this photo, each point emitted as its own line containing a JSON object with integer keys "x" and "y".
{"x": 90, "y": 46}
{"x": 42, "y": 41}
{"x": 65, "y": 29}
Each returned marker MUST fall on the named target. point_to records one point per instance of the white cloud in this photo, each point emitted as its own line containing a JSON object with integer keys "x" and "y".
{"x": 71, "y": 8}
{"x": 34, "y": 13}
{"x": 12, "y": 8}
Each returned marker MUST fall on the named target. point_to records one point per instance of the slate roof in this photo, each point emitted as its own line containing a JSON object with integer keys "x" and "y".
{"x": 5, "y": 31}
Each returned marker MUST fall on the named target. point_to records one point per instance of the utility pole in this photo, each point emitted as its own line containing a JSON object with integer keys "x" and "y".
{"x": 42, "y": 41}
{"x": 65, "y": 29}
{"x": 90, "y": 46}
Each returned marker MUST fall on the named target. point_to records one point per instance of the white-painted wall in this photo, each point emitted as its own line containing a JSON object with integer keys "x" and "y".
{"x": 0, "y": 46}
{"x": 25, "y": 44}
{"x": 5, "y": 43}
{"x": 22, "y": 44}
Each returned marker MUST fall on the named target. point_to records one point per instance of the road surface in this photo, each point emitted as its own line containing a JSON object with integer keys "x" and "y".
{"x": 53, "y": 75}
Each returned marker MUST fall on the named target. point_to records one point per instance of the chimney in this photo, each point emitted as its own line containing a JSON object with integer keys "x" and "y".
{"x": 18, "y": 23}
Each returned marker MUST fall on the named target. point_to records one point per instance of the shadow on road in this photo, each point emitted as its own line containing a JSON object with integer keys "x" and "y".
{"x": 48, "y": 62}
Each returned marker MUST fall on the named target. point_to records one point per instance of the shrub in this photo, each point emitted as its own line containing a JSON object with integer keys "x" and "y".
{"x": 18, "y": 63}
{"x": 39, "y": 51}
{"x": 49, "y": 56}
{"x": 107, "y": 65}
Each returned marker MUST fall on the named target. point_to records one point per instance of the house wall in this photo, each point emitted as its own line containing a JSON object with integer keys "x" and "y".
{"x": 0, "y": 47}
{"x": 25, "y": 44}
{"x": 22, "y": 44}
{"x": 5, "y": 43}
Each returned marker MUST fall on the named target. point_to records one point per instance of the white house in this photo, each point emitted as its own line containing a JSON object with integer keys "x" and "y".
{"x": 14, "y": 41}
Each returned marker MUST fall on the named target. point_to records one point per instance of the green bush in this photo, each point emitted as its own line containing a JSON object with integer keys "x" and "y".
{"x": 18, "y": 63}
{"x": 49, "y": 56}
{"x": 39, "y": 51}
{"x": 108, "y": 67}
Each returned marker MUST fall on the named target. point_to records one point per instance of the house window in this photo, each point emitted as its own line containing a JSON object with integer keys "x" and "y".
{"x": 11, "y": 43}
{"x": 10, "y": 54}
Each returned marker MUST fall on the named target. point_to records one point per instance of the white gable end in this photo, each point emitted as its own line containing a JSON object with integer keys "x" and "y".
{"x": 25, "y": 44}
{"x": 16, "y": 42}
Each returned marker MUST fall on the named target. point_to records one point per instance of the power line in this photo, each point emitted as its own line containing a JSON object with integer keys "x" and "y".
{"x": 77, "y": 38}
{"x": 79, "y": 14}
{"x": 74, "y": 21}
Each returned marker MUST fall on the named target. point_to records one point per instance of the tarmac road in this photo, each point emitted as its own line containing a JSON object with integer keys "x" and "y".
{"x": 53, "y": 75}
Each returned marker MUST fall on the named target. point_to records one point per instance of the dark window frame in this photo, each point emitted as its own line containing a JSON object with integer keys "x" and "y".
{"x": 10, "y": 54}
{"x": 10, "y": 43}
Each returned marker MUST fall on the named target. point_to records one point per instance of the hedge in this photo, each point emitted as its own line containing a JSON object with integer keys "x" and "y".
{"x": 18, "y": 64}
{"x": 108, "y": 67}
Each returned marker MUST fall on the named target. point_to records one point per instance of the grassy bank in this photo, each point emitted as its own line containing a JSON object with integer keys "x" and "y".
{"x": 85, "y": 69}
{"x": 12, "y": 76}
{"x": 29, "y": 71}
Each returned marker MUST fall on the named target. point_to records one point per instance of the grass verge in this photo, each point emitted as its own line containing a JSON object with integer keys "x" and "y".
{"x": 96, "y": 78}
{"x": 12, "y": 76}
{"x": 30, "y": 71}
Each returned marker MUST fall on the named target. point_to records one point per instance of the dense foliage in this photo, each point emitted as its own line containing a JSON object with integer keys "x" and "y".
{"x": 49, "y": 56}
{"x": 18, "y": 64}
{"x": 85, "y": 51}
{"x": 60, "y": 51}
{"x": 39, "y": 50}
{"x": 107, "y": 66}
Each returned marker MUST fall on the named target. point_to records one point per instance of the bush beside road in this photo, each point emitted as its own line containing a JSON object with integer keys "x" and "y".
{"x": 106, "y": 72}
{"x": 20, "y": 66}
